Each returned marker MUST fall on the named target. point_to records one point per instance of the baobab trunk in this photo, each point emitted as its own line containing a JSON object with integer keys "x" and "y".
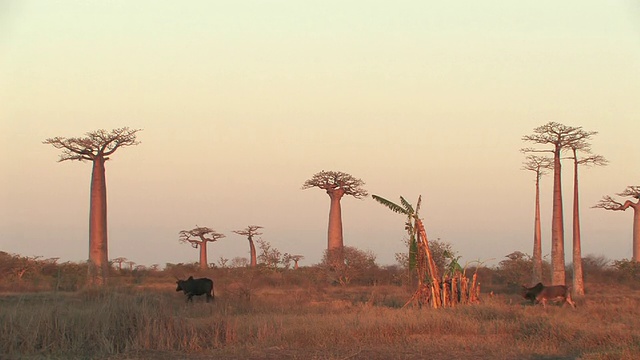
{"x": 204, "y": 265}
{"x": 254, "y": 258}
{"x": 578, "y": 278}
{"x": 335, "y": 242}
{"x": 537, "y": 240}
{"x": 557, "y": 224}
{"x": 98, "y": 252}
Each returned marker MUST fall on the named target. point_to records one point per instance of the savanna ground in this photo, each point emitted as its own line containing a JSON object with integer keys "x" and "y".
{"x": 271, "y": 315}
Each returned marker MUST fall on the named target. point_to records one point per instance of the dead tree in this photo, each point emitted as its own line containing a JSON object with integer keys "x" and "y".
{"x": 336, "y": 184}
{"x": 96, "y": 147}
{"x": 559, "y": 137}
{"x": 199, "y": 237}
{"x": 609, "y": 203}
{"x": 251, "y": 231}
{"x": 539, "y": 165}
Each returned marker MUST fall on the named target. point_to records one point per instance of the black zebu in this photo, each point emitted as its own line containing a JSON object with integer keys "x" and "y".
{"x": 201, "y": 286}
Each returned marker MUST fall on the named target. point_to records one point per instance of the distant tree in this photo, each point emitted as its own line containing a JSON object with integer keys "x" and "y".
{"x": 539, "y": 165}
{"x": 96, "y": 147}
{"x": 560, "y": 137}
{"x": 516, "y": 268}
{"x": 269, "y": 256}
{"x": 296, "y": 259}
{"x": 119, "y": 261}
{"x": 239, "y": 262}
{"x": 199, "y": 237}
{"x": 336, "y": 184}
{"x": 609, "y": 203}
{"x": 251, "y": 231}
{"x": 130, "y": 263}
{"x": 358, "y": 265}
{"x": 591, "y": 159}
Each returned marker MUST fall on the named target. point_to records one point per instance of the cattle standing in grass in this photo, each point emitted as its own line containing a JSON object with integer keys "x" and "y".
{"x": 542, "y": 294}
{"x": 191, "y": 287}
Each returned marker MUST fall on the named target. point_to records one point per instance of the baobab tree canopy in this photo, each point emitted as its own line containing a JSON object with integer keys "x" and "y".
{"x": 336, "y": 180}
{"x": 96, "y": 147}
{"x": 199, "y": 237}
{"x": 95, "y": 143}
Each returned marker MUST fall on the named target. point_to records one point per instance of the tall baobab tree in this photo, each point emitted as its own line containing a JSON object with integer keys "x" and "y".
{"x": 251, "y": 231}
{"x": 559, "y": 137}
{"x": 199, "y": 237}
{"x": 539, "y": 165}
{"x": 590, "y": 159}
{"x": 336, "y": 184}
{"x": 96, "y": 147}
{"x": 609, "y": 203}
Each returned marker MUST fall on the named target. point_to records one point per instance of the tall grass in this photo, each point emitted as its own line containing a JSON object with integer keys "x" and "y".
{"x": 307, "y": 323}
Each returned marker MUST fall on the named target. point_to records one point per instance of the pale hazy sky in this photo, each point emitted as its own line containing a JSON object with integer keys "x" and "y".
{"x": 242, "y": 101}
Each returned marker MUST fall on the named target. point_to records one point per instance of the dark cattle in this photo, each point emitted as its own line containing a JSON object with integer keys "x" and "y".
{"x": 542, "y": 294}
{"x": 191, "y": 287}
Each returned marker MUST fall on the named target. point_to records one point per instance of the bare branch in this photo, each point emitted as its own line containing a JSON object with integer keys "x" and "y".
{"x": 199, "y": 235}
{"x": 96, "y": 143}
{"x": 538, "y": 164}
{"x": 250, "y": 231}
{"x": 631, "y": 191}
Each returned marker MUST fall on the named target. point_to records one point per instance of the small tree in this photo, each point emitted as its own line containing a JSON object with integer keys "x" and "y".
{"x": 269, "y": 256}
{"x": 296, "y": 259}
{"x": 539, "y": 165}
{"x": 336, "y": 184}
{"x": 199, "y": 237}
{"x": 251, "y": 231}
{"x": 609, "y": 203}
{"x": 119, "y": 261}
{"x": 96, "y": 147}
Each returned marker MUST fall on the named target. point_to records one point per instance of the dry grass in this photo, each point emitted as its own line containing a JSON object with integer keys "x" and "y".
{"x": 312, "y": 323}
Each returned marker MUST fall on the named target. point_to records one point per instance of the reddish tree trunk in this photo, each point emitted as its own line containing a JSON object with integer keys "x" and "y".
{"x": 335, "y": 242}
{"x": 537, "y": 239}
{"x": 98, "y": 251}
{"x": 254, "y": 258}
{"x": 203, "y": 255}
{"x": 557, "y": 224}
{"x": 578, "y": 278}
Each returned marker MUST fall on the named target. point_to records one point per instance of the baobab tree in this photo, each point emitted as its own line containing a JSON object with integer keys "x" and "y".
{"x": 251, "y": 231}
{"x": 590, "y": 159}
{"x": 539, "y": 165}
{"x": 295, "y": 259}
{"x": 199, "y": 237}
{"x": 336, "y": 184}
{"x": 609, "y": 203}
{"x": 559, "y": 137}
{"x": 119, "y": 261}
{"x": 96, "y": 147}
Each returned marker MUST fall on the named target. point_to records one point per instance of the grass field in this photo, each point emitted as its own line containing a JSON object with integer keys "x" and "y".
{"x": 296, "y": 322}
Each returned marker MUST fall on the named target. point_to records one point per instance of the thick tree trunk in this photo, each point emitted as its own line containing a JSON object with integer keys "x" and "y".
{"x": 252, "y": 248}
{"x": 537, "y": 240}
{"x": 557, "y": 225}
{"x": 335, "y": 242}
{"x": 578, "y": 278}
{"x": 98, "y": 250}
{"x": 204, "y": 265}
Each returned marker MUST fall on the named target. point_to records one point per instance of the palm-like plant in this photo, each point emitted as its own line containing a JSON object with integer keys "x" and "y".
{"x": 419, "y": 252}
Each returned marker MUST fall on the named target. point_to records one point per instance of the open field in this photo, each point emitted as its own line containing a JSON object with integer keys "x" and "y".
{"x": 312, "y": 322}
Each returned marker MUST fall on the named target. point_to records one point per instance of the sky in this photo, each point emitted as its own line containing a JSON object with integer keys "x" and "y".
{"x": 240, "y": 102}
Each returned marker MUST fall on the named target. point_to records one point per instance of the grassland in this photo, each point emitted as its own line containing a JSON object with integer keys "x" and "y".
{"x": 312, "y": 322}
